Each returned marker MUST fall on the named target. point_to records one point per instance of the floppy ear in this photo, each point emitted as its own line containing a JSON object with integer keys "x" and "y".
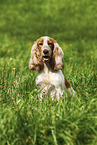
{"x": 35, "y": 62}
{"x": 57, "y": 59}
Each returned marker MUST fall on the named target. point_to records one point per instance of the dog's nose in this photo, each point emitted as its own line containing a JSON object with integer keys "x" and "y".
{"x": 45, "y": 51}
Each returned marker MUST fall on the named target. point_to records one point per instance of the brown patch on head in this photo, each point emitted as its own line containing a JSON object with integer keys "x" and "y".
{"x": 39, "y": 43}
{"x": 51, "y": 43}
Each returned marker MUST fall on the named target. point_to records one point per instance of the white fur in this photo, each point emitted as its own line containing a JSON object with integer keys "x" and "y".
{"x": 52, "y": 82}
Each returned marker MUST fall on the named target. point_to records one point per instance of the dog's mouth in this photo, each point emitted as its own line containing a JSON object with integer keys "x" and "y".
{"x": 46, "y": 58}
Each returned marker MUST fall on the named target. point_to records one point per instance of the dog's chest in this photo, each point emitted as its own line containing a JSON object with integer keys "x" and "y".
{"x": 50, "y": 78}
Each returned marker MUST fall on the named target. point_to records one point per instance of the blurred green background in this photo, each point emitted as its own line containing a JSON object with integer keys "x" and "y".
{"x": 64, "y": 20}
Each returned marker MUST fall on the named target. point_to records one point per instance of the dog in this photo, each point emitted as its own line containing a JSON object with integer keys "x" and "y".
{"x": 47, "y": 58}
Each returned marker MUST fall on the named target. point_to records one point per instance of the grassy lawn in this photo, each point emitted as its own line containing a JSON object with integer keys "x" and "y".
{"x": 23, "y": 118}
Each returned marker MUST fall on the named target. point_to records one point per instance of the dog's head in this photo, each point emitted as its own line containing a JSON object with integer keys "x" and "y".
{"x": 46, "y": 50}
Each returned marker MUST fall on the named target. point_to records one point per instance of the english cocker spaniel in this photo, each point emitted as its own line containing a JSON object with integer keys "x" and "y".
{"x": 47, "y": 58}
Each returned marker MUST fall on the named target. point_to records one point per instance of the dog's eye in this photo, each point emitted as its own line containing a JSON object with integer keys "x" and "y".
{"x": 49, "y": 43}
{"x": 40, "y": 43}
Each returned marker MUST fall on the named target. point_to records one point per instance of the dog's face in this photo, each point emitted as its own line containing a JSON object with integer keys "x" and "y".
{"x": 46, "y": 46}
{"x": 46, "y": 50}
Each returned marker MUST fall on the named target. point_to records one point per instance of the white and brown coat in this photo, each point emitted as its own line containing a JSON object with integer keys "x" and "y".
{"x": 47, "y": 58}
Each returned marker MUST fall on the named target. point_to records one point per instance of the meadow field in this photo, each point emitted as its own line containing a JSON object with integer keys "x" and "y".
{"x": 24, "y": 120}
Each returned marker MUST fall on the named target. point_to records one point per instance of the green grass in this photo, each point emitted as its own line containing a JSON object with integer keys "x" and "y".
{"x": 23, "y": 118}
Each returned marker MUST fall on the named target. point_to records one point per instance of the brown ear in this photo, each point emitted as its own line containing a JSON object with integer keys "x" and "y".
{"x": 35, "y": 62}
{"x": 57, "y": 59}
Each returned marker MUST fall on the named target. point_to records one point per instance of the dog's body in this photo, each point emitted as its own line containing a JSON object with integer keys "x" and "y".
{"x": 47, "y": 58}
{"x": 50, "y": 82}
